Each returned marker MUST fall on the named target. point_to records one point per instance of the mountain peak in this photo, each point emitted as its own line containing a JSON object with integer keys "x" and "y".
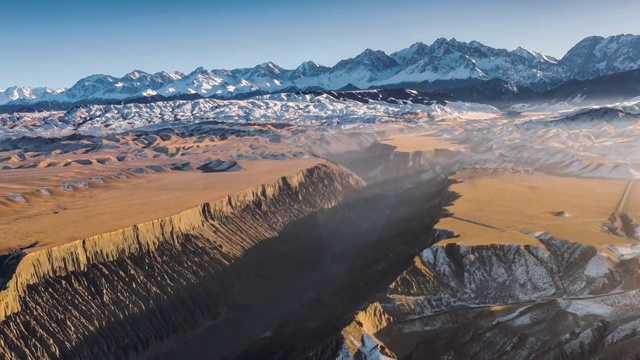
{"x": 376, "y": 57}
{"x": 135, "y": 74}
{"x": 370, "y": 56}
{"x": 440, "y": 41}
{"x": 267, "y": 64}
{"x": 270, "y": 67}
{"x": 443, "y": 60}
{"x": 591, "y": 39}
{"x": 533, "y": 56}
{"x": 444, "y": 43}
{"x": 199, "y": 70}
{"x": 308, "y": 69}
{"x": 308, "y": 64}
{"x": 597, "y": 56}
{"x": 17, "y": 93}
{"x": 175, "y": 75}
{"x": 369, "y": 53}
{"x": 96, "y": 77}
{"x": 412, "y": 54}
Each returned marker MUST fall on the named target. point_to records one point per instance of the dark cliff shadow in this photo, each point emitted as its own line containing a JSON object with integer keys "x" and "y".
{"x": 282, "y": 297}
{"x": 311, "y": 329}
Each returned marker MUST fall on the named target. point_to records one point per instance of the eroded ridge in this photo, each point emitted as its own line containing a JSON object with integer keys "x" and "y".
{"x": 511, "y": 281}
{"x": 123, "y": 293}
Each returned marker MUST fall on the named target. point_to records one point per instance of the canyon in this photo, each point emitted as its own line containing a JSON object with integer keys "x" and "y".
{"x": 340, "y": 229}
{"x": 167, "y": 260}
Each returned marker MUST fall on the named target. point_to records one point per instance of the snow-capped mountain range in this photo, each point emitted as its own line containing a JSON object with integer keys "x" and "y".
{"x": 317, "y": 108}
{"x": 444, "y": 60}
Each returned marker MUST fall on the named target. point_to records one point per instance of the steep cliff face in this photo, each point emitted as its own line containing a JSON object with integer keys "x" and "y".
{"x": 381, "y": 162}
{"x": 129, "y": 293}
{"x": 457, "y": 275}
{"x": 378, "y": 234}
{"x": 557, "y": 299}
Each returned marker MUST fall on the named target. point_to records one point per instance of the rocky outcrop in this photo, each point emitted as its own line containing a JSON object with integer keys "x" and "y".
{"x": 560, "y": 299}
{"x": 131, "y": 292}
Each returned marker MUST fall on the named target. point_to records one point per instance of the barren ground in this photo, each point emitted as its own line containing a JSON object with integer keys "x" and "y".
{"x": 498, "y": 208}
{"x": 117, "y": 203}
{"x": 420, "y": 142}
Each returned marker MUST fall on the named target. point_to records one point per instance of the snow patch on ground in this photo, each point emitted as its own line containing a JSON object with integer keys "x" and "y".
{"x": 18, "y": 198}
{"x": 587, "y": 307}
{"x": 597, "y": 266}
{"x": 625, "y": 252}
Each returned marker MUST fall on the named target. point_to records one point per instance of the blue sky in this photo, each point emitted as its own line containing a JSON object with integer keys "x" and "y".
{"x": 56, "y": 42}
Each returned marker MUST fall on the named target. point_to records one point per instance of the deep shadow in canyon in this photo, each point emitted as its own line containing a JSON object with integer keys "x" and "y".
{"x": 371, "y": 265}
{"x": 300, "y": 288}
{"x": 188, "y": 297}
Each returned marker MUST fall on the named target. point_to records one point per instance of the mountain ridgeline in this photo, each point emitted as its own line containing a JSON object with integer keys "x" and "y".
{"x": 468, "y": 71}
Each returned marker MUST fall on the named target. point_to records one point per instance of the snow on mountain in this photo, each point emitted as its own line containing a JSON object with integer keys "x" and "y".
{"x": 307, "y": 69}
{"x": 412, "y": 54}
{"x": 598, "y": 56}
{"x": 533, "y": 56}
{"x": 225, "y": 83}
{"x": 105, "y": 87}
{"x": 590, "y": 142}
{"x": 587, "y": 141}
{"x": 361, "y": 71}
{"x": 267, "y": 76}
{"x": 452, "y": 59}
{"x": 200, "y": 81}
{"x": 15, "y": 93}
{"x": 301, "y": 109}
{"x": 441, "y": 61}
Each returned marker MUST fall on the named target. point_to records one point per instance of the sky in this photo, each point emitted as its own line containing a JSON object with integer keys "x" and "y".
{"x": 54, "y": 43}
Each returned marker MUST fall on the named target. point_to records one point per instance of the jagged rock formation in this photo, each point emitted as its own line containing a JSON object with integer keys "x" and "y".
{"x": 396, "y": 213}
{"x": 125, "y": 294}
{"x": 443, "y": 65}
{"x": 557, "y": 299}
